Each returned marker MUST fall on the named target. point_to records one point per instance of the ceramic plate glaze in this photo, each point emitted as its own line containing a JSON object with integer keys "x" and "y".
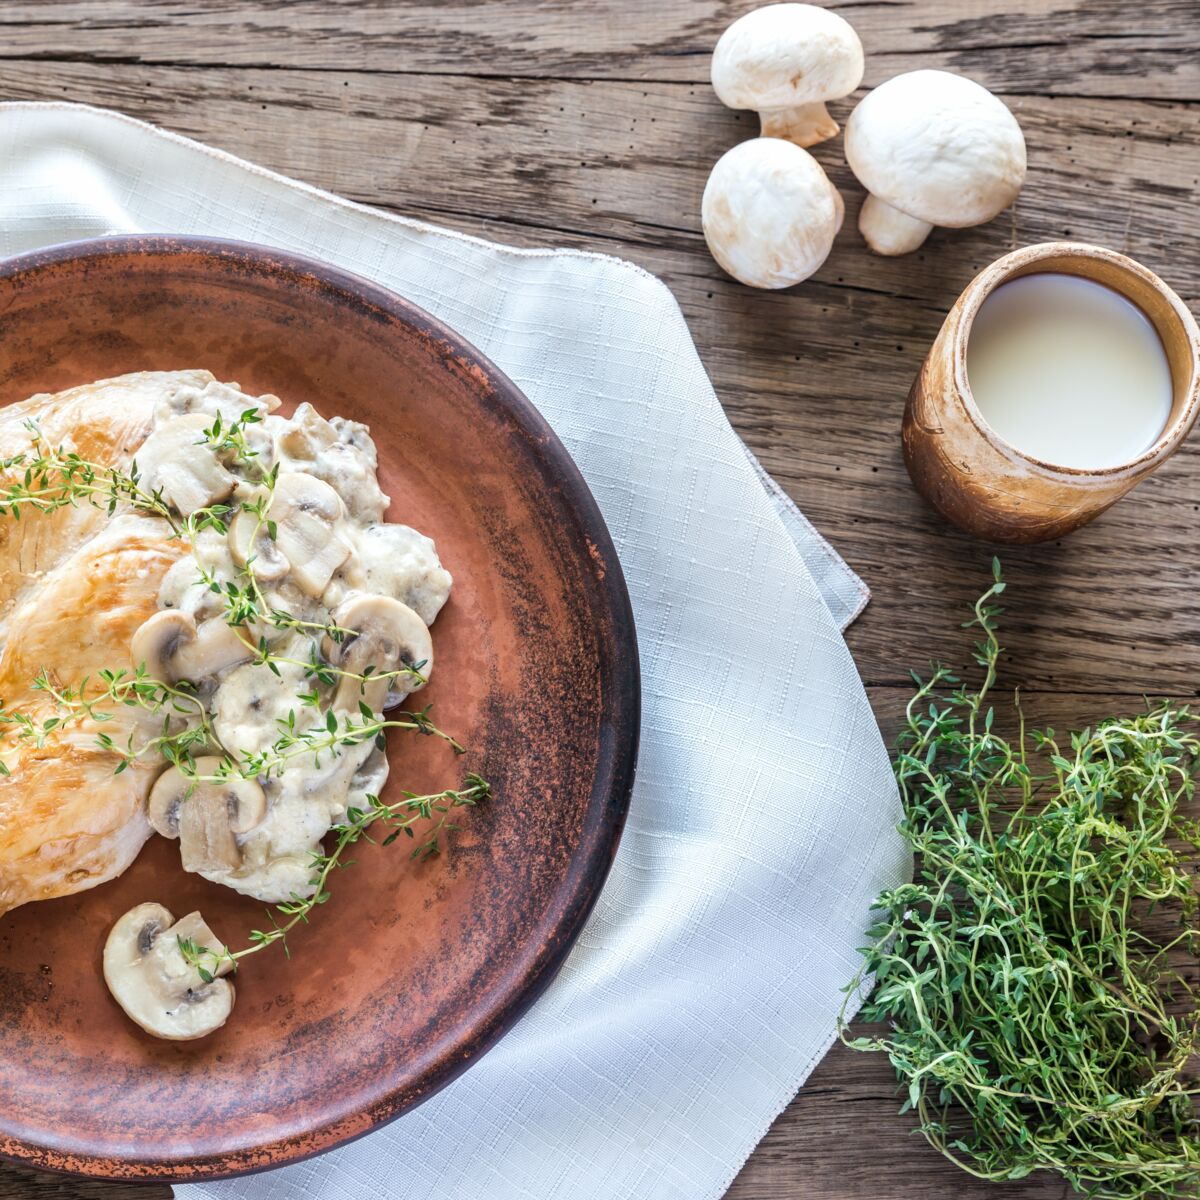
{"x": 411, "y": 971}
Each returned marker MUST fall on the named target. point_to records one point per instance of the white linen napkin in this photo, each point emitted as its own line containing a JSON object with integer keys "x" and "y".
{"x": 704, "y": 988}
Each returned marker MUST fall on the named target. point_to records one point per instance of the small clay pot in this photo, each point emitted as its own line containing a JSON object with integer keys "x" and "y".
{"x": 988, "y": 487}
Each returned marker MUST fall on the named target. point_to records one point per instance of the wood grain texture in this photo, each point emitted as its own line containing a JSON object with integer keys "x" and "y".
{"x": 1064, "y": 47}
{"x": 591, "y": 125}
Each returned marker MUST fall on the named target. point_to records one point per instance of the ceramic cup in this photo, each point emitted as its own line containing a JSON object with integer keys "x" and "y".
{"x": 988, "y": 487}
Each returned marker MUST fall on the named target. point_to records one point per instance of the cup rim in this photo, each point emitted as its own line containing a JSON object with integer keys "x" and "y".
{"x": 1002, "y": 271}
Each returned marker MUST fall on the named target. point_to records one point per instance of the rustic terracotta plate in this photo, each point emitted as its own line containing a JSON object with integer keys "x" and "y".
{"x": 411, "y": 971}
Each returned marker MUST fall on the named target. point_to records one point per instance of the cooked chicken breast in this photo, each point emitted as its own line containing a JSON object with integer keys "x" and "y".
{"x": 74, "y": 585}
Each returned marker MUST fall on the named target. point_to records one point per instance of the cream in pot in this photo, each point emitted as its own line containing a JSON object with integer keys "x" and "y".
{"x": 1069, "y": 371}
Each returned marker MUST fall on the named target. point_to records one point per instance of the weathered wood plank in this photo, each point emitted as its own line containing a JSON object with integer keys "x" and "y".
{"x": 1066, "y": 47}
{"x": 16, "y": 1183}
{"x": 628, "y": 161}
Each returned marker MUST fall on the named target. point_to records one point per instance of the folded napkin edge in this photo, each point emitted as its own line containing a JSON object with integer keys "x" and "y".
{"x": 784, "y": 1097}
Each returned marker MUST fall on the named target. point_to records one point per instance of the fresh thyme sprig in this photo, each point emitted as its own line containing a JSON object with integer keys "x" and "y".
{"x": 1035, "y": 1021}
{"x": 92, "y": 699}
{"x": 45, "y": 478}
{"x": 228, "y": 438}
{"x": 338, "y": 730}
{"x": 400, "y": 817}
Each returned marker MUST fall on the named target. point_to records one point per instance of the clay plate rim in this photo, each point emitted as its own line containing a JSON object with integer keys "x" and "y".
{"x": 614, "y": 781}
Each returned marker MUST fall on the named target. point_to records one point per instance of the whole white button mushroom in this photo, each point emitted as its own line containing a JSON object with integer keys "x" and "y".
{"x": 770, "y": 213}
{"x": 785, "y": 61}
{"x": 932, "y": 149}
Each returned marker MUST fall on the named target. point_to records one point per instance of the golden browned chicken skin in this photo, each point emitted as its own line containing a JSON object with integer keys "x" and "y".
{"x": 74, "y": 585}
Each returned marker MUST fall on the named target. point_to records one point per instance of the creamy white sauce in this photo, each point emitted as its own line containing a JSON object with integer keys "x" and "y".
{"x": 1069, "y": 371}
{"x": 247, "y": 701}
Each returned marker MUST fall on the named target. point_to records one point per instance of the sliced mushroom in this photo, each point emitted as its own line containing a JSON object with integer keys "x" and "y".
{"x": 306, "y": 435}
{"x": 173, "y": 647}
{"x": 217, "y": 647}
{"x": 306, "y": 511}
{"x": 156, "y": 641}
{"x": 156, "y": 986}
{"x": 386, "y": 636}
{"x": 176, "y": 460}
{"x": 249, "y": 702}
{"x": 182, "y": 586}
{"x": 208, "y": 827}
{"x": 205, "y": 816}
{"x": 250, "y": 543}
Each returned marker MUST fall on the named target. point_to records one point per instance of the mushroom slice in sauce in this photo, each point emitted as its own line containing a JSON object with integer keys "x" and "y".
{"x": 306, "y": 512}
{"x": 172, "y": 646}
{"x": 150, "y": 979}
{"x": 207, "y": 815}
{"x": 176, "y": 460}
{"x": 250, "y": 543}
{"x": 387, "y": 635}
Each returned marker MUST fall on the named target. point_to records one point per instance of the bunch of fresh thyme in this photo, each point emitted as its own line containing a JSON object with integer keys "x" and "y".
{"x": 1035, "y": 1022}
{"x": 46, "y": 478}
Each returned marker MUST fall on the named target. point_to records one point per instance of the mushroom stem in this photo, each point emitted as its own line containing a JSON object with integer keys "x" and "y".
{"x": 804, "y": 124}
{"x": 888, "y": 230}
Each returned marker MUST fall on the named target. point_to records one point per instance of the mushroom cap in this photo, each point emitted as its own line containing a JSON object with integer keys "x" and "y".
{"x": 389, "y": 635}
{"x": 770, "y": 213}
{"x": 150, "y": 979}
{"x": 785, "y": 55}
{"x": 938, "y": 147}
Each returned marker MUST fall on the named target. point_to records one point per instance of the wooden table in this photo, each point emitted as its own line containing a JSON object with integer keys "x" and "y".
{"x": 590, "y": 123}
